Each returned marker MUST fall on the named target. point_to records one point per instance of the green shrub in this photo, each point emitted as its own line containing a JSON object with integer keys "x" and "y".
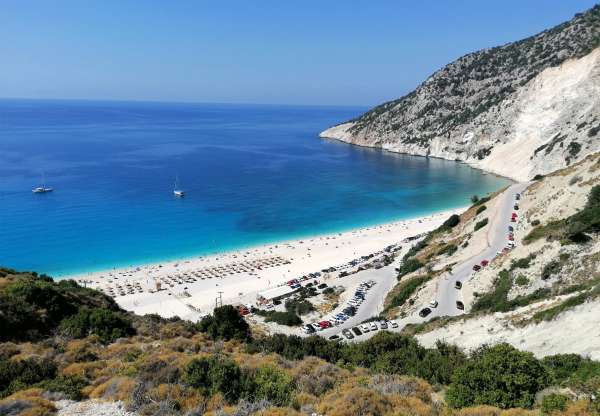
{"x": 408, "y": 266}
{"x": 452, "y": 221}
{"x": 554, "y": 403}
{"x": 70, "y": 386}
{"x": 283, "y": 318}
{"x": 551, "y": 313}
{"x": 498, "y": 296}
{"x": 213, "y": 375}
{"x": 480, "y": 209}
{"x": 499, "y": 376}
{"x": 551, "y": 268}
{"x": 271, "y": 384}
{"x": 448, "y": 249}
{"x": 108, "y": 325}
{"x": 480, "y": 224}
{"x": 535, "y": 223}
{"x": 18, "y": 375}
{"x": 522, "y": 263}
{"x": 225, "y": 323}
{"x": 299, "y": 307}
{"x": 522, "y": 280}
{"x": 407, "y": 288}
{"x": 32, "y": 307}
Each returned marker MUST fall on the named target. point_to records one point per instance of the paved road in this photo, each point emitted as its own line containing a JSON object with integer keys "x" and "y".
{"x": 497, "y": 232}
{"x": 447, "y": 295}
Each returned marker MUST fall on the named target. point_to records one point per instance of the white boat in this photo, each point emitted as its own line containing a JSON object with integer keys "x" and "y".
{"x": 176, "y": 191}
{"x": 42, "y": 189}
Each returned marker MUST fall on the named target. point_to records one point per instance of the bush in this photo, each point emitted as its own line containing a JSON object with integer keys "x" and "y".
{"x": 283, "y": 318}
{"x": 272, "y": 384}
{"x": 452, "y": 221}
{"x": 448, "y": 249}
{"x": 108, "y": 325}
{"x": 480, "y": 224}
{"x": 554, "y": 403}
{"x": 32, "y": 307}
{"x": 535, "y": 223}
{"x": 551, "y": 268}
{"x": 299, "y": 307}
{"x": 474, "y": 199}
{"x": 522, "y": 280}
{"x": 70, "y": 386}
{"x": 408, "y": 266}
{"x": 480, "y": 209}
{"x": 224, "y": 324}
{"x": 551, "y": 313}
{"x": 406, "y": 289}
{"x": 499, "y": 376}
{"x": 213, "y": 375}
{"x": 522, "y": 263}
{"x": 18, "y": 375}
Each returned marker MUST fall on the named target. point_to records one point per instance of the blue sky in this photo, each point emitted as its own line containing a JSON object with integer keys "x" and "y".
{"x": 297, "y": 52}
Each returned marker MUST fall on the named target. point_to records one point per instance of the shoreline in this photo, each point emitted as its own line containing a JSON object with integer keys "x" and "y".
{"x": 189, "y": 287}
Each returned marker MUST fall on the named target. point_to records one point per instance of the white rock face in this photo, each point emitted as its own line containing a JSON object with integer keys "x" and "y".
{"x": 547, "y": 124}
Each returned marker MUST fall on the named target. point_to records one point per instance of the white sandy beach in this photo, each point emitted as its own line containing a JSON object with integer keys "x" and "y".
{"x": 190, "y": 287}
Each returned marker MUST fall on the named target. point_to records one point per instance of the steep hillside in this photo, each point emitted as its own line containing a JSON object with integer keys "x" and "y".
{"x": 548, "y": 284}
{"x": 115, "y": 363}
{"x": 525, "y": 108}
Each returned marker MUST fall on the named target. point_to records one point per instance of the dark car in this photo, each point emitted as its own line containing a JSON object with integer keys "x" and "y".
{"x": 347, "y": 334}
{"x": 516, "y": 207}
{"x": 458, "y": 285}
{"x": 334, "y": 337}
{"x": 424, "y": 312}
{"x": 460, "y": 305}
{"x": 356, "y": 331}
{"x": 276, "y": 302}
{"x": 322, "y": 286}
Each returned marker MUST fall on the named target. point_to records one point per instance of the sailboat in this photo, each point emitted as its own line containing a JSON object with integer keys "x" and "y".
{"x": 42, "y": 189}
{"x": 176, "y": 191}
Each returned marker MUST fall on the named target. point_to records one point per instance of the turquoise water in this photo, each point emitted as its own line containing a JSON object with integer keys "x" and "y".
{"x": 252, "y": 174}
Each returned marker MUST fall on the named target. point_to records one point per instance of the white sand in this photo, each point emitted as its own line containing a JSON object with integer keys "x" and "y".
{"x": 292, "y": 259}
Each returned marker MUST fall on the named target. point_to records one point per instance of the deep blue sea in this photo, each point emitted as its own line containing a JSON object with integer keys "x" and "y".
{"x": 252, "y": 174}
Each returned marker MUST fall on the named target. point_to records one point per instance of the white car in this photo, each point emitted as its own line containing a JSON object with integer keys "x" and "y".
{"x": 364, "y": 328}
{"x": 433, "y": 303}
{"x": 374, "y": 326}
{"x": 394, "y": 324}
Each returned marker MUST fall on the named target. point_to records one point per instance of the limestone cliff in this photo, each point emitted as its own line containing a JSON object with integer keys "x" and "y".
{"x": 525, "y": 108}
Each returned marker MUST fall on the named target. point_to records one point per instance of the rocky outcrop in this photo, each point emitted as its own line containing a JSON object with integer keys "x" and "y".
{"x": 526, "y": 108}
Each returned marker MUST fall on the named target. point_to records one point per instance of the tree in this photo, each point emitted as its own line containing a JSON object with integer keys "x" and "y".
{"x": 499, "y": 376}
{"x": 224, "y": 324}
{"x": 269, "y": 383}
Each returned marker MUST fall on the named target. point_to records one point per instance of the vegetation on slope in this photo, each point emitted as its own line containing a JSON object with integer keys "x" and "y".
{"x": 169, "y": 367}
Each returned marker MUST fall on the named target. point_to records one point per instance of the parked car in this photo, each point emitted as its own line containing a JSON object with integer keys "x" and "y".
{"x": 458, "y": 285}
{"x": 513, "y": 219}
{"x": 322, "y": 286}
{"x": 394, "y": 324}
{"x": 347, "y": 334}
{"x": 460, "y": 305}
{"x": 373, "y": 326}
{"x": 356, "y": 331}
{"x": 510, "y": 229}
{"x": 424, "y": 312}
{"x": 325, "y": 325}
{"x": 364, "y": 328}
{"x": 433, "y": 303}
{"x": 476, "y": 267}
{"x": 335, "y": 338}
{"x": 484, "y": 263}
{"x": 383, "y": 324}
{"x": 308, "y": 329}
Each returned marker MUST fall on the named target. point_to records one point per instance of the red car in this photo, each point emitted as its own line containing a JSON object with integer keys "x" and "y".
{"x": 484, "y": 263}
{"x": 514, "y": 215}
{"x": 511, "y": 238}
{"x": 513, "y": 219}
{"x": 325, "y": 324}
{"x": 476, "y": 267}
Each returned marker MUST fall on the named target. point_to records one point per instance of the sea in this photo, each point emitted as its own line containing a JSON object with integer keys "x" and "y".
{"x": 252, "y": 174}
